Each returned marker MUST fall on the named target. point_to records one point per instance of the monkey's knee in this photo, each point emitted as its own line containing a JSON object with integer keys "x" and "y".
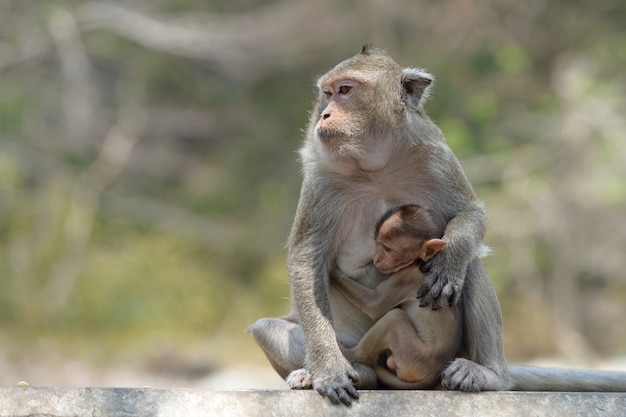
{"x": 282, "y": 342}
{"x": 264, "y": 332}
{"x": 269, "y": 331}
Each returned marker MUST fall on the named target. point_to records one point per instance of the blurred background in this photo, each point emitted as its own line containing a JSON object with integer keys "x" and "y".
{"x": 149, "y": 175}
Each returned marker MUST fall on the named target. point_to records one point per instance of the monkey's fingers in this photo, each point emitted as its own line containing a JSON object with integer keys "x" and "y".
{"x": 464, "y": 375}
{"x": 434, "y": 303}
{"x": 430, "y": 291}
{"x": 338, "y": 387}
{"x": 338, "y": 392}
{"x": 426, "y": 266}
{"x": 450, "y": 294}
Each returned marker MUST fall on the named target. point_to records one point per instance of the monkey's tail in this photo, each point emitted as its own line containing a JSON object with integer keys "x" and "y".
{"x": 531, "y": 378}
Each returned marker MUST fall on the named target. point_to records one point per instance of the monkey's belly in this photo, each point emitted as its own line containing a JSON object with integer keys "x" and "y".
{"x": 349, "y": 322}
{"x": 354, "y": 259}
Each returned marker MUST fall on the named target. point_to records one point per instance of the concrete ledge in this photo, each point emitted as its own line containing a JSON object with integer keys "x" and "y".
{"x": 128, "y": 402}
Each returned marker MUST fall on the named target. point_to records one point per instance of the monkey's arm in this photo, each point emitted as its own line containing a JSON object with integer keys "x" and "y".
{"x": 375, "y": 302}
{"x": 308, "y": 263}
{"x": 464, "y": 232}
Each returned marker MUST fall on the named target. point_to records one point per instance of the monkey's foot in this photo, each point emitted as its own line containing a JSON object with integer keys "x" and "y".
{"x": 299, "y": 379}
{"x": 465, "y": 375}
{"x": 367, "y": 378}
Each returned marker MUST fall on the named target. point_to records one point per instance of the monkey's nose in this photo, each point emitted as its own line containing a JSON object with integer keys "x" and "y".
{"x": 325, "y": 116}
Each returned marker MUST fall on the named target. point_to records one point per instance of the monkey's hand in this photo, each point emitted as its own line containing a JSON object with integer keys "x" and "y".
{"x": 336, "y": 382}
{"x": 443, "y": 282}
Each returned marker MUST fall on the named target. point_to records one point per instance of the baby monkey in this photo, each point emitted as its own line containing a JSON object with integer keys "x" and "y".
{"x": 408, "y": 346}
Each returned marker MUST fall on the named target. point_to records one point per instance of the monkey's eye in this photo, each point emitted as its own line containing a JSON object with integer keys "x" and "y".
{"x": 345, "y": 89}
{"x": 386, "y": 249}
{"x": 328, "y": 94}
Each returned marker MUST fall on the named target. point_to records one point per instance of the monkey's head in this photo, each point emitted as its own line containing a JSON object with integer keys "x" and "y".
{"x": 364, "y": 103}
{"x": 404, "y": 235}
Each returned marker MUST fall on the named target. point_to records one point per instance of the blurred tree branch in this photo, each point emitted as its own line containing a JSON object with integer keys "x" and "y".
{"x": 285, "y": 34}
{"x": 83, "y": 205}
{"x": 80, "y": 105}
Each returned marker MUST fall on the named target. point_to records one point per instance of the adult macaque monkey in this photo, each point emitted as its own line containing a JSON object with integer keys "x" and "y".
{"x": 370, "y": 146}
{"x": 408, "y": 346}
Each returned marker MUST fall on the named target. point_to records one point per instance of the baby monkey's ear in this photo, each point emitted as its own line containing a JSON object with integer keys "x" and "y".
{"x": 430, "y": 248}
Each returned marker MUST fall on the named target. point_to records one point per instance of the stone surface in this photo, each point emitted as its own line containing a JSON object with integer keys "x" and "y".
{"x": 128, "y": 402}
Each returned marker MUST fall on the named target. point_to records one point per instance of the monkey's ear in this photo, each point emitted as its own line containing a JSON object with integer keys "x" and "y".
{"x": 430, "y": 248}
{"x": 416, "y": 84}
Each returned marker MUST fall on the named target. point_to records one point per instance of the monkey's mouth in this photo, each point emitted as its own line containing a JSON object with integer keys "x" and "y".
{"x": 329, "y": 133}
{"x": 386, "y": 271}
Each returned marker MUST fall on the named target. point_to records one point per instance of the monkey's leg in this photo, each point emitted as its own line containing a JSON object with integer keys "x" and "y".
{"x": 376, "y": 340}
{"x": 282, "y": 341}
{"x": 484, "y": 369}
{"x": 395, "y": 332}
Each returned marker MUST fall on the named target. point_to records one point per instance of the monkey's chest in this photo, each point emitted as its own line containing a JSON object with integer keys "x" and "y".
{"x": 357, "y": 247}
